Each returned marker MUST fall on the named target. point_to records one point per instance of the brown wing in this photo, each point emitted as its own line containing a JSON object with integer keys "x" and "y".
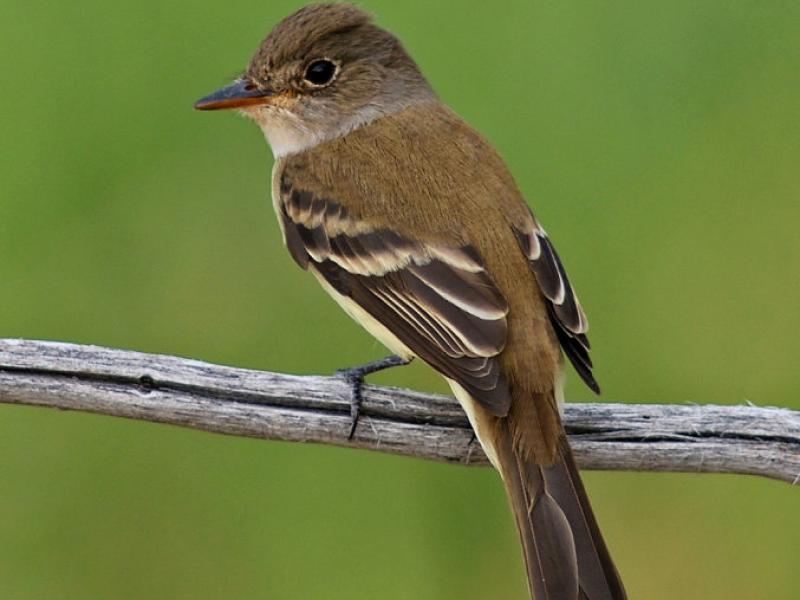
{"x": 566, "y": 314}
{"x": 439, "y": 301}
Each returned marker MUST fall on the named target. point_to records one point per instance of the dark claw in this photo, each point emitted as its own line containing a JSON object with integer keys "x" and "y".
{"x": 355, "y": 377}
{"x": 471, "y": 446}
{"x": 356, "y": 381}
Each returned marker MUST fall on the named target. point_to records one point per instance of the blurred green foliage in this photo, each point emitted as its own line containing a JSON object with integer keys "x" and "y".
{"x": 659, "y": 143}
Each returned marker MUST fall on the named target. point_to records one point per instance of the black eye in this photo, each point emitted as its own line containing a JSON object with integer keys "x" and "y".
{"x": 320, "y": 72}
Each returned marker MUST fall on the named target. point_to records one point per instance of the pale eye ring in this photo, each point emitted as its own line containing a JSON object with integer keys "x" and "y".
{"x": 320, "y": 72}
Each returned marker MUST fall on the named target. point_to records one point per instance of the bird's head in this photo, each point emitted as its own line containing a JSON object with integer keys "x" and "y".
{"x": 322, "y": 72}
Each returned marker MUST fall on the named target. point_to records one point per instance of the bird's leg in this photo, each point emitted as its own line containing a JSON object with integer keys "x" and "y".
{"x": 355, "y": 377}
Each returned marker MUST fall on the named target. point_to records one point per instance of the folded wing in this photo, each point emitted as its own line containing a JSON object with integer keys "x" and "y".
{"x": 438, "y": 300}
{"x": 566, "y": 314}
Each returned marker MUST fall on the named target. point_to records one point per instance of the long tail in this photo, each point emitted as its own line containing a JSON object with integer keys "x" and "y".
{"x": 565, "y": 554}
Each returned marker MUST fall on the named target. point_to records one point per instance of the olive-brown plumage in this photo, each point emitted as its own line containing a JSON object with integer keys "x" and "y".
{"x": 413, "y": 223}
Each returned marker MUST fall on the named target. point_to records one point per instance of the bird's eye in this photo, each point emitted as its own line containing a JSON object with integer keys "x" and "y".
{"x": 320, "y": 72}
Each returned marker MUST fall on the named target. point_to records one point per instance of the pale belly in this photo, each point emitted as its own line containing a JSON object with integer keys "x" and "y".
{"x": 366, "y": 320}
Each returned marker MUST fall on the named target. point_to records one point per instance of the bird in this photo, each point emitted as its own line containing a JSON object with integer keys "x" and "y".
{"x": 413, "y": 223}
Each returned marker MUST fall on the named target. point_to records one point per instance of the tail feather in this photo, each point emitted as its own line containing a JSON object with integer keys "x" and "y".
{"x": 599, "y": 577}
{"x": 565, "y": 555}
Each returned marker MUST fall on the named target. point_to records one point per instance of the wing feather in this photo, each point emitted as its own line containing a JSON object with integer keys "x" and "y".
{"x": 566, "y": 313}
{"x": 438, "y": 300}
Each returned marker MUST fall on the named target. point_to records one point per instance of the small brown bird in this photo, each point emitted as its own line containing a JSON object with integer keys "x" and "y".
{"x": 414, "y": 225}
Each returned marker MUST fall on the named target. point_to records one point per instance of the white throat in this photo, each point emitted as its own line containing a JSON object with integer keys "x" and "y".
{"x": 287, "y": 134}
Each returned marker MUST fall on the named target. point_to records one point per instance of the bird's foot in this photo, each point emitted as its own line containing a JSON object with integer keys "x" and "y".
{"x": 355, "y": 377}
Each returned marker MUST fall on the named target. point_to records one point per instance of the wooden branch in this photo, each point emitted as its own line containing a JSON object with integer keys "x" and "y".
{"x": 273, "y": 406}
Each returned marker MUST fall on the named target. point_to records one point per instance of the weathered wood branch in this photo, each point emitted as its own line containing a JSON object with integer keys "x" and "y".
{"x": 273, "y": 406}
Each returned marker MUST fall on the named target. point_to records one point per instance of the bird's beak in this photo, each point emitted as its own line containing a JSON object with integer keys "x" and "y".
{"x": 240, "y": 93}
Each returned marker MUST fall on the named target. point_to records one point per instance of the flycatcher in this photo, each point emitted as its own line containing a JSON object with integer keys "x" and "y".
{"x": 413, "y": 223}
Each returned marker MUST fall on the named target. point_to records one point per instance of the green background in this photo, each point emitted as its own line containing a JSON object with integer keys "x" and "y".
{"x": 659, "y": 143}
